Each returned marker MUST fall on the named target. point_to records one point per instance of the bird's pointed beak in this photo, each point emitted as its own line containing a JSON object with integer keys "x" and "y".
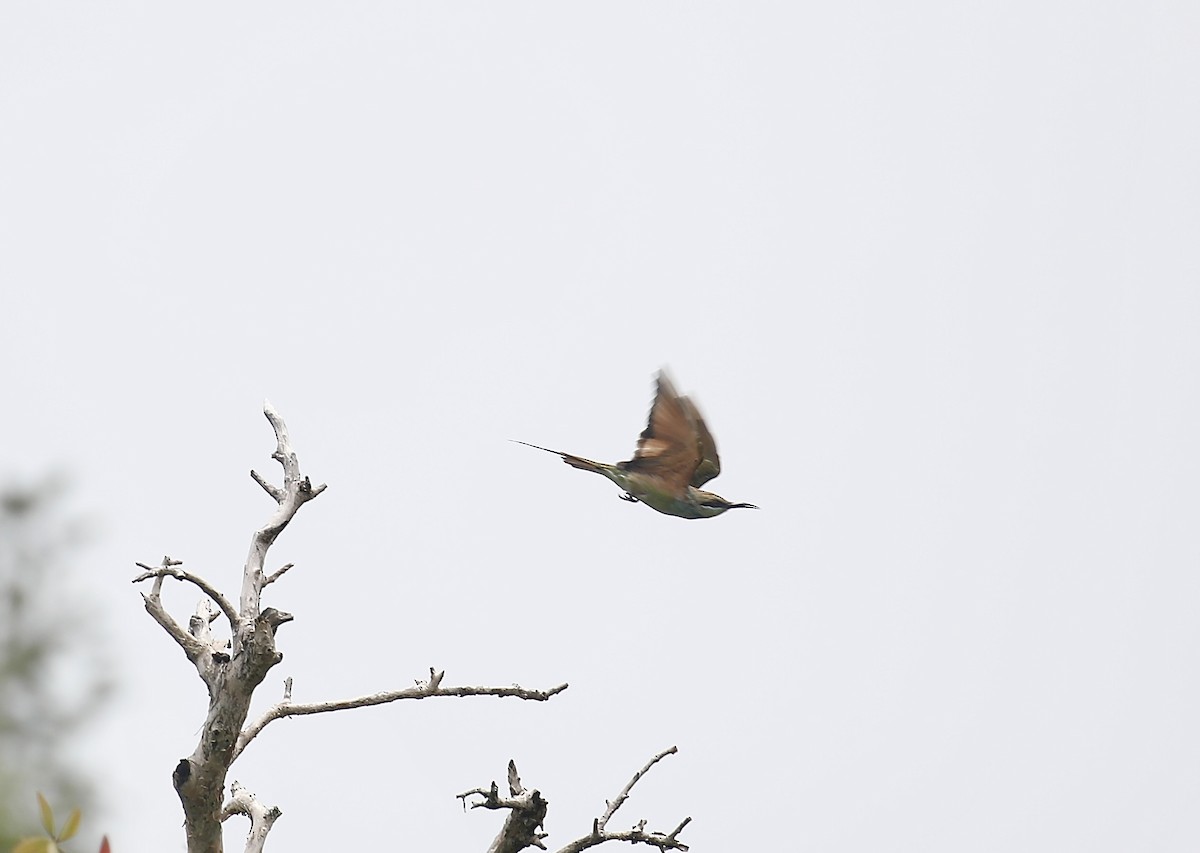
{"x": 743, "y": 506}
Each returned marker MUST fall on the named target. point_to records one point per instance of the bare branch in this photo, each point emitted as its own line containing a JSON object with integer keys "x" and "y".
{"x": 491, "y": 798}
{"x": 261, "y": 818}
{"x": 195, "y": 650}
{"x": 190, "y": 645}
{"x": 422, "y": 690}
{"x": 274, "y": 491}
{"x": 674, "y": 832}
{"x": 200, "y": 625}
{"x": 276, "y": 575}
{"x": 514, "y": 781}
{"x": 297, "y": 491}
{"x": 171, "y": 569}
{"x": 637, "y": 835}
{"x": 624, "y": 795}
{"x": 435, "y": 679}
{"x": 527, "y": 812}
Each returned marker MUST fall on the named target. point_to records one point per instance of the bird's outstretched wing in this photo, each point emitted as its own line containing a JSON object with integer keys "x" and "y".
{"x": 670, "y": 447}
{"x": 710, "y": 462}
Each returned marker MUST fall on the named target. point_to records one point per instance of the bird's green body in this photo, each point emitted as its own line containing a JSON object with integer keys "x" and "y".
{"x": 693, "y": 503}
{"x": 676, "y": 454}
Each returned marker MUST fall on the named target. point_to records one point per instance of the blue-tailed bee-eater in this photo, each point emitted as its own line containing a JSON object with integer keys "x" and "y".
{"x": 675, "y": 456}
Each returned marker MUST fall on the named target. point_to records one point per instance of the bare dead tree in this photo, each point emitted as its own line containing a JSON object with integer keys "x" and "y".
{"x": 524, "y": 825}
{"x": 233, "y": 669}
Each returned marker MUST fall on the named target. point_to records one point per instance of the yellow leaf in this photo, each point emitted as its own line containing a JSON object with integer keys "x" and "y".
{"x": 71, "y": 826}
{"x": 32, "y": 845}
{"x": 47, "y": 815}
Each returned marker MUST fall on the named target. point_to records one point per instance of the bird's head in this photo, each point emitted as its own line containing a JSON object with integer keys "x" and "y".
{"x": 711, "y": 504}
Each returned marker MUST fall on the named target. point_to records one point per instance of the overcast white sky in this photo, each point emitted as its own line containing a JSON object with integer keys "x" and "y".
{"x": 930, "y": 270}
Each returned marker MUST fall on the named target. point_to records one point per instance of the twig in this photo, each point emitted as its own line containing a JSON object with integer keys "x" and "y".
{"x": 274, "y": 491}
{"x": 624, "y": 795}
{"x": 422, "y": 690}
{"x": 491, "y": 798}
{"x": 170, "y": 568}
{"x": 200, "y": 625}
{"x": 674, "y": 832}
{"x": 276, "y": 575}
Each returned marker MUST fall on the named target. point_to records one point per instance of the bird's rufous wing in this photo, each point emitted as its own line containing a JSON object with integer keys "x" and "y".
{"x": 710, "y": 462}
{"x": 669, "y": 448}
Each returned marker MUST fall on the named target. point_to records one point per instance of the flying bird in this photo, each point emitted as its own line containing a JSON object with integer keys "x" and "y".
{"x": 675, "y": 456}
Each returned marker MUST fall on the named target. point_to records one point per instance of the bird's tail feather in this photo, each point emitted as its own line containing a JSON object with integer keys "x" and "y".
{"x": 570, "y": 459}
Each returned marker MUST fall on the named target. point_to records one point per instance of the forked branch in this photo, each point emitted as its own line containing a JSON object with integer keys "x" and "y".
{"x": 297, "y": 490}
{"x": 170, "y": 568}
{"x": 528, "y": 806}
{"x": 261, "y": 817}
{"x": 527, "y": 813}
{"x": 193, "y": 647}
{"x": 620, "y": 799}
{"x": 232, "y": 673}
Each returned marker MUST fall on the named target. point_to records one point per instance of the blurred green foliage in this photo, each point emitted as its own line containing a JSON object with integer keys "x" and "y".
{"x": 54, "y": 675}
{"x": 52, "y": 841}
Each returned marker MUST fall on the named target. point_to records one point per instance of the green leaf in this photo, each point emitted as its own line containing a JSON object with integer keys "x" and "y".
{"x": 33, "y": 845}
{"x": 71, "y": 826}
{"x": 47, "y": 815}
